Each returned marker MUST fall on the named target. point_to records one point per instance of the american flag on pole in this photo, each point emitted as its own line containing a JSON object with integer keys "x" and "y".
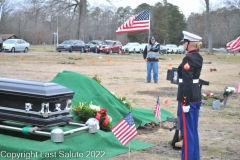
{"x": 125, "y": 129}
{"x": 138, "y": 23}
{"x": 157, "y": 109}
{"x": 234, "y": 45}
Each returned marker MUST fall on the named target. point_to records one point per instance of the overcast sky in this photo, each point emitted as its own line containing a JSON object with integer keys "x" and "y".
{"x": 186, "y": 6}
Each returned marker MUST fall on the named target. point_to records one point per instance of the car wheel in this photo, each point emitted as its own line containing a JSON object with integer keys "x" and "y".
{"x": 13, "y": 50}
{"x": 59, "y": 51}
{"x": 71, "y": 49}
{"x": 25, "y": 50}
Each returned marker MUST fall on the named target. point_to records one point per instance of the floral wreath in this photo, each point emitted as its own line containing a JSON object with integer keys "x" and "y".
{"x": 84, "y": 111}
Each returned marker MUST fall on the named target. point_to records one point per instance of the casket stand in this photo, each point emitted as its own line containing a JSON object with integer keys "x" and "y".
{"x": 40, "y": 105}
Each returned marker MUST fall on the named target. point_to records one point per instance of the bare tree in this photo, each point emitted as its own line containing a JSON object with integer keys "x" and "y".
{"x": 78, "y": 7}
{"x": 209, "y": 32}
{"x": 7, "y": 9}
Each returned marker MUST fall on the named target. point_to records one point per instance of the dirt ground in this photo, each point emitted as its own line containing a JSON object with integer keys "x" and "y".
{"x": 125, "y": 75}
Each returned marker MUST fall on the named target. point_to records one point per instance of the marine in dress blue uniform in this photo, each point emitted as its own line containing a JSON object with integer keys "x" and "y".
{"x": 189, "y": 96}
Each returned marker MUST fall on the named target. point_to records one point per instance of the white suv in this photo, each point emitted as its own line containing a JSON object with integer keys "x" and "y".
{"x": 132, "y": 47}
{"x": 171, "y": 48}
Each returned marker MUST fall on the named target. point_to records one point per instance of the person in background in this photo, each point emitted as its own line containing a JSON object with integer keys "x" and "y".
{"x": 150, "y": 55}
{"x": 189, "y": 96}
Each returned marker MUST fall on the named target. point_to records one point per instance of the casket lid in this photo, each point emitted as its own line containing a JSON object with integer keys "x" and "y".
{"x": 32, "y": 87}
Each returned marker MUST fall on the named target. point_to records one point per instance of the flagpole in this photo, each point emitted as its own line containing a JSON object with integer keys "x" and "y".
{"x": 160, "y": 124}
{"x": 129, "y": 150}
{"x": 1, "y": 8}
{"x": 149, "y": 25}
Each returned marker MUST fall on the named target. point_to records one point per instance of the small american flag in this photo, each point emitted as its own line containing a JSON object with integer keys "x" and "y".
{"x": 157, "y": 109}
{"x": 125, "y": 129}
{"x": 138, "y": 23}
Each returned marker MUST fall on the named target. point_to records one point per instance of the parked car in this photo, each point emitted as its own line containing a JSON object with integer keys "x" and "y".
{"x": 132, "y": 47}
{"x": 94, "y": 46}
{"x": 181, "y": 49}
{"x": 71, "y": 45}
{"x": 13, "y": 45}
{"x": 171, "y": 48}
{"x": 163, "y": 49}
{"x": 143, "y": 45}
{"x": 110, "y": 46}
{"x": 219, "y": 49}
{"x": 1, "y": 44}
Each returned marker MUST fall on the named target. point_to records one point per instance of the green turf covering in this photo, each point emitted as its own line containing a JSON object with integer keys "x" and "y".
{"x": 88, "y": 90}
{"x": 102, "y": 145}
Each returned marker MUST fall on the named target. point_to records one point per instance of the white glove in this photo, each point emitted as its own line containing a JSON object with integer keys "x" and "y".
{"x": 186, "y": 109}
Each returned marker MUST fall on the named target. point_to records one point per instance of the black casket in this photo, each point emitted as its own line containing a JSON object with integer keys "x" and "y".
{"x": 35, "y": 103}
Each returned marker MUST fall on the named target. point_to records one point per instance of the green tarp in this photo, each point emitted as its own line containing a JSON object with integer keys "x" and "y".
{"x": 88, "y": 90}
{"x": 80, "y": 145}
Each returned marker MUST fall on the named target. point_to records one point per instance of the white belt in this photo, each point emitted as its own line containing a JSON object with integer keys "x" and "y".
{"x": 194, "y": 80}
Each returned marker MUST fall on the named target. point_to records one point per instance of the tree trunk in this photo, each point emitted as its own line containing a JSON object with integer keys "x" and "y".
{"x": 81, "y": 21}
{"x": 208, "y": 27}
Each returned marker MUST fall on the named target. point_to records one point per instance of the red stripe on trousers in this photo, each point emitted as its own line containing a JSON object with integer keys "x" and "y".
{"x": 185, "y": 135}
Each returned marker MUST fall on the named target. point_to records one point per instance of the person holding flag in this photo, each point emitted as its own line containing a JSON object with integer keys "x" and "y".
{"x": 189, "y": 96}
{"x": 150, "y": 55}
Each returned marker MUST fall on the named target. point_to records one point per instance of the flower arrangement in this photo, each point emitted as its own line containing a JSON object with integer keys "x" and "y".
{"x": 124, "y": 100}
{"x": 208, "y": 98}
{"x": 207, "y": 95}
{"x": 84, "y": 111}
{"x": 228, "y": 91}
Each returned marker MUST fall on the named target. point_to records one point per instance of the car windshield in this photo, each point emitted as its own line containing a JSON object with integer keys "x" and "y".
{"x": 98, "y": 42}
{"x": 95, "y": 42}
{"x": 10, "y": 41}
{"x": 171, "y": 45}
{"x": 108, "y": 42}
{"x": 130, "y": 44}
{"x": 68, "y": 42}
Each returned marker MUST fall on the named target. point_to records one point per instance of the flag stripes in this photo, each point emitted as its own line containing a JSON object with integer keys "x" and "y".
{"x": 157, "y": 109}
{"x": 125, "y": 129}
{"x": 234, "y": 45}
{"x": 137, "y": 23}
